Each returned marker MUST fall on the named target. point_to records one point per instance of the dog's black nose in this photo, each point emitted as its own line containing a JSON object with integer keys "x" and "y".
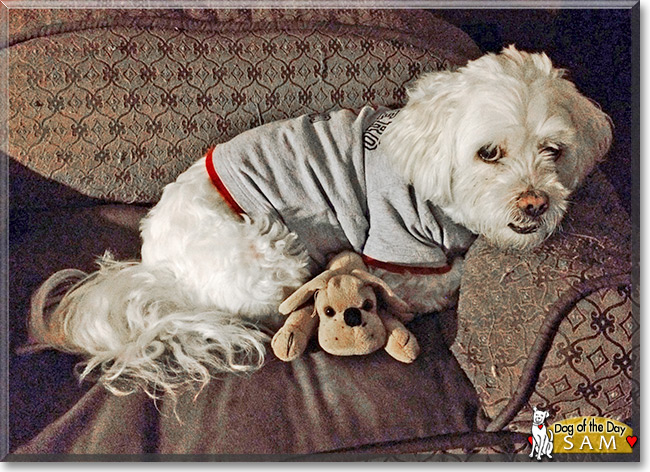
{"x": 352, "y": 317}
{"x": 533, "y": 202}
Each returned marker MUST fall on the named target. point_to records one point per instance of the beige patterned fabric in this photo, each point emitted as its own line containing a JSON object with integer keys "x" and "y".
{"x": 579, "y": 280}
{"x": 411, "y": 26}
{"x": 589, "y": 369}
{"x": 116, "y": 113}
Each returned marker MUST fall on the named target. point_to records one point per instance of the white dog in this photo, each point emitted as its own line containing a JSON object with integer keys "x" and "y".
{"x": 494, "y": 148}
{"x": 542, "y": 443}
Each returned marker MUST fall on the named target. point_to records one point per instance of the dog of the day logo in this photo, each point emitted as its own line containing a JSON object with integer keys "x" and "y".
{"x": 581, "y": 435}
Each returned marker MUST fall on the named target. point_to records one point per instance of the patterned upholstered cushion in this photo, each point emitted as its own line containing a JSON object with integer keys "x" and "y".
{"x": 579, "y": 280}
{"x": 589, "y": 370}
{"x": 117, "y": 112}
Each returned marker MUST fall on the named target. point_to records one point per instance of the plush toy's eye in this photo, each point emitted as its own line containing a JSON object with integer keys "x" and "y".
{"x": 367, "y": 305}
{"x": 329, "y": 311}
{"x": 489, "y": 153}
{"x": 552, "y": 150}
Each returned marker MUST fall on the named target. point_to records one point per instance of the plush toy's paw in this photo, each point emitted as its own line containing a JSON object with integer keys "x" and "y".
{"x": 292, "y": 339}
{"x": 288, "y": 343}
{"x": 402, "y": 345}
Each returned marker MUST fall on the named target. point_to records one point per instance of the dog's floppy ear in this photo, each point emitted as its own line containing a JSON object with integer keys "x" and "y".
{"x": 593, "y": 127}
{"x": 304, "y": 293}
{"x": 593, "y": 133}
{"x": 420, "y": 139}
{"x": 394, "y": 303}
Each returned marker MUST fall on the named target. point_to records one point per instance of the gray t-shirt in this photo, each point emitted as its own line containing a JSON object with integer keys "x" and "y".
{"x": 325, "y": 177}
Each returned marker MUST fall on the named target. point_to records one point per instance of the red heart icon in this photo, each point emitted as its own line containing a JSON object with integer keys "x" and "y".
{"x": 631, "y": 440}
{"x": 530, "y": 440}
{"x": 540, "y": 426}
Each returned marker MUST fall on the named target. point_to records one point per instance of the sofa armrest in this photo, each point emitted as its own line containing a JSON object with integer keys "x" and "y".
{"x": 512, "y": 306}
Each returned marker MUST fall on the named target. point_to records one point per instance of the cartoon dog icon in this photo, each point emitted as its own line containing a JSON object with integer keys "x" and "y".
{"x": 542, "y": 443}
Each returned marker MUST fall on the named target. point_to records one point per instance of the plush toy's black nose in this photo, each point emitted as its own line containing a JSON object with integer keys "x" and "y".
{"x": 352, "y": 317}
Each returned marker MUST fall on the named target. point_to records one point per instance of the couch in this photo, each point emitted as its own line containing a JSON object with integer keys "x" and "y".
{"x": 108, "y": 106}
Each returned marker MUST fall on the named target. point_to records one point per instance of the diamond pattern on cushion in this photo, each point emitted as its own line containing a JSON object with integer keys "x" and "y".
{"x": 116, "y": 113}
{"x": 595, "y": 363}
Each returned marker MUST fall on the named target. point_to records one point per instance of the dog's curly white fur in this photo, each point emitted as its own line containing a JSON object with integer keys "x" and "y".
{"x": 545, "y": 135}
{"x": 498, "y": 145}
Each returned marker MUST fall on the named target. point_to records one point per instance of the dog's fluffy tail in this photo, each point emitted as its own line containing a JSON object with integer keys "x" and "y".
{"x": 139, "y": 330}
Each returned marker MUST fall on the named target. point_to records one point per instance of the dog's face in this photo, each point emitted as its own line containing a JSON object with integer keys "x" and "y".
{"x": 539, "y": 416}
{"x": 499, "y": 144}
{"x": 348, "y": 319}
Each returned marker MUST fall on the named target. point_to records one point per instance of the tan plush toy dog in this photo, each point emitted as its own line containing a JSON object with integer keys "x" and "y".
{"x": 354, "y": 312}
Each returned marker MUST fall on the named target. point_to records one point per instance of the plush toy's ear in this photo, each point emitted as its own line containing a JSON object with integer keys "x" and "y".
{"x": 395, "y": 304}
{"x": 304, "y": 293}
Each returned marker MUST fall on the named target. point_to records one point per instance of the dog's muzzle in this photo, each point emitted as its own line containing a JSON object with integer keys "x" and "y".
{"x": 532, "y": 204}
{"x": 523, "y": 229}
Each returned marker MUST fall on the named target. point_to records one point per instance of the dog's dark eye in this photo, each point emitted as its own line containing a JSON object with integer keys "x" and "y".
{"x": 489, "y": 153}
{"x": 554, "y": 152}
{"x": 367, "y": 305}
{"x": 329, "y": 311}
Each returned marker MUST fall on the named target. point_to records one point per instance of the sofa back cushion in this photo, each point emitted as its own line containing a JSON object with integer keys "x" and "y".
{"x": 115, "y": 104}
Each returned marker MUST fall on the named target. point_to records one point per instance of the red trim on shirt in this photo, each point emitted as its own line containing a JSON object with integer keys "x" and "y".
{"x": 221, "y": 188}
{"x": 403, "y": 269}
{"x": 369, "y": 261}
